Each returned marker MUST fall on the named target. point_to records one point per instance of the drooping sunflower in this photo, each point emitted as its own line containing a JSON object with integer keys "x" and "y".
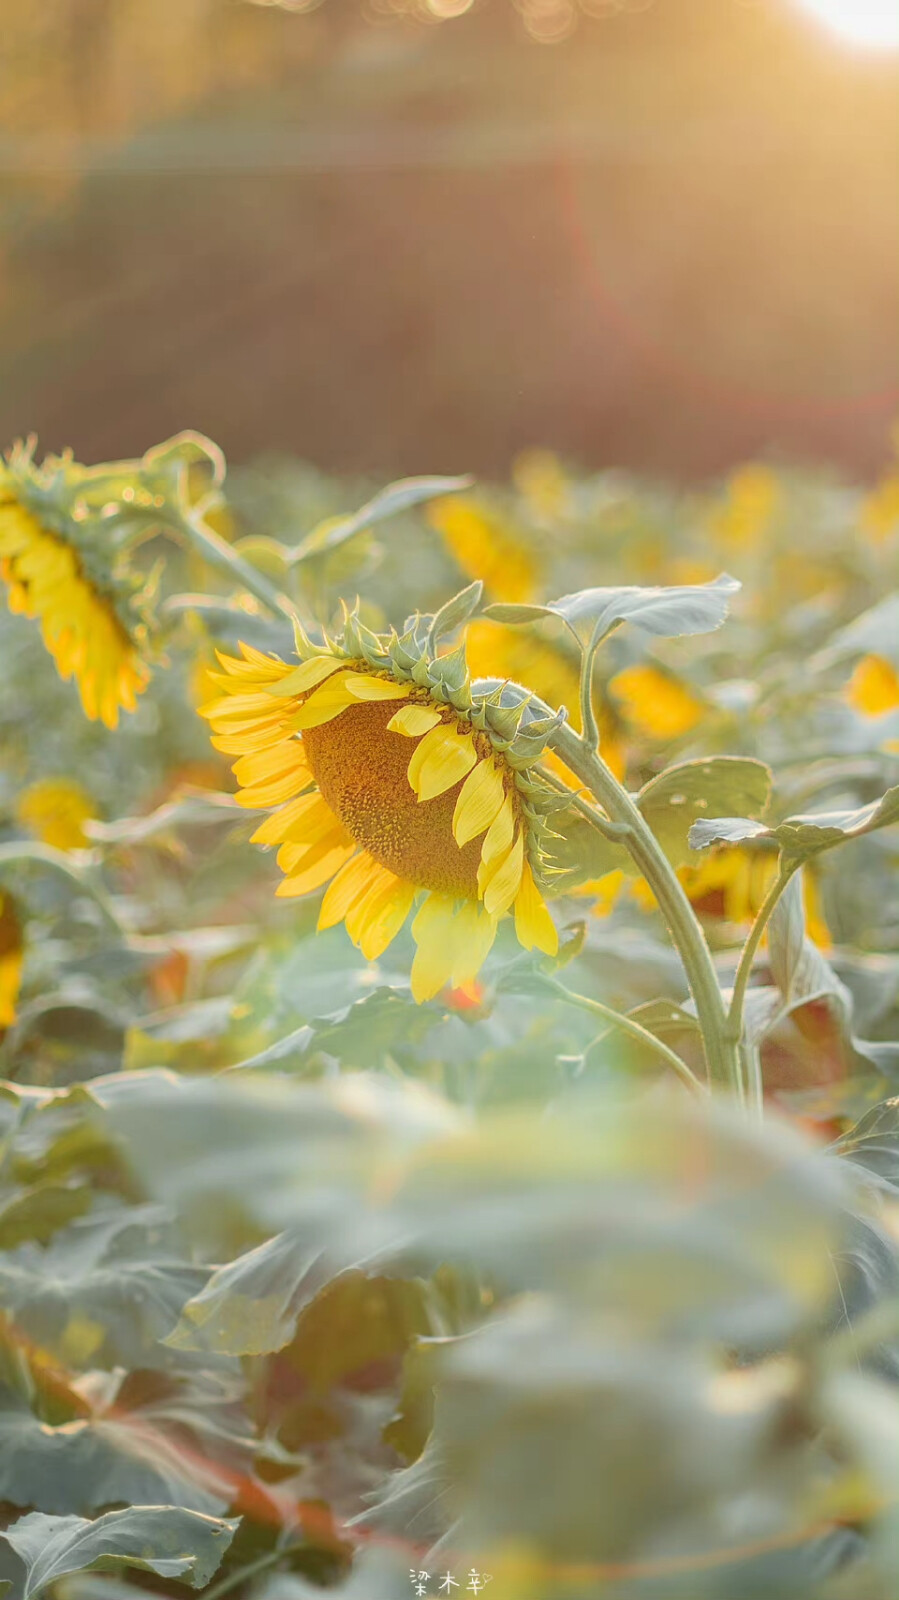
{"x": 394, "y": 779}
{"x": 92, "y": 620}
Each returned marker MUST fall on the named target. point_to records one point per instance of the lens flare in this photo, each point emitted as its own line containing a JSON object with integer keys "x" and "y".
{"x": 872, "y": 23}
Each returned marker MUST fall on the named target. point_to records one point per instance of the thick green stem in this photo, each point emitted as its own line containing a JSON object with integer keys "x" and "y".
{"x": 625, "y": 1024}
{"x": 721, "y": 1052}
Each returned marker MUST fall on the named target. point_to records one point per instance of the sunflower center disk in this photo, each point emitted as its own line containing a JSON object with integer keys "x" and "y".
{"x": 361, "y": 769}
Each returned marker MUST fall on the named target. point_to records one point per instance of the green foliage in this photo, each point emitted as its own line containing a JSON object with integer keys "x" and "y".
{"x": 305, "y": 1286}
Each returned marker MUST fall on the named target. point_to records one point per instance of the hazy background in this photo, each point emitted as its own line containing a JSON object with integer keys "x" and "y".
{"x": 668, "y": 239}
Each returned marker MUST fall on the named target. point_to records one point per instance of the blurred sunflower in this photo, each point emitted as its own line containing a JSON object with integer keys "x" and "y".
{"x": 656, "y": 703}
{"x": 11, "y": 958}
{"x": 393, "y": 779}
{"x": 873, "y": 688}
{"x": 55, "y": 810}
{"x": 91, "y": 624}
{"x": 486, "y": 545}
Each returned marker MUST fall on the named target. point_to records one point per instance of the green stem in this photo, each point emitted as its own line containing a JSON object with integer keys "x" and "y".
{"x": 217, "y": 552}
{"x": 615, "y": 832}
{"x": 589, "y": 725}
{"x": 722, "y": 1056}
{"x": 748, "y": 952}
{"x": 625, "y": 1024}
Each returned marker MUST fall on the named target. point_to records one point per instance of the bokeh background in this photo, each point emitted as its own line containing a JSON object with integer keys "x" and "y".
{"x": 662, "y": 234}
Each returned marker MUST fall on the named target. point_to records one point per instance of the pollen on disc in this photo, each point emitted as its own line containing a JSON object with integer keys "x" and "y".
{"x": 361, "y": 769}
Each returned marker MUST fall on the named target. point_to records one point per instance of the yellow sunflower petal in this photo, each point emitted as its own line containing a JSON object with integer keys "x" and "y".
{"x": 433, "y": 931}
{"x": 275, "y": 828}
{"x": 348, "y": 886}
{"x": 287, "y": 756}
{"x": 252, "y": 671}
{"x": 260, "y": 796}
{"x": 474, "y": 933}
{"x": 413, "y": 721}
{"x": 480, "y": 800}
{"x": 308, "y": 675}
{"x": 325, "y": 861}
{"x": 440, "y": 760}
{"x": 498, "y": 839}
{"x": 382, "y": 915}
{"x": 365, "y": 686}
{"x": 534, "y": 927}
{"x": 324, "y": 704}
{"x": 314, "y": 827}
{"x": 505, "y": 880}
{"x": 234, "y": 707}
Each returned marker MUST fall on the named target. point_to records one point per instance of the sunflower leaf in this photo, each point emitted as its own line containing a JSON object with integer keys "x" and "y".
{"x": 399, "y": 496}
{"x": 663, "y": 612}
{"x": 801, "y": 836}
{"x": 167, "y": 1540}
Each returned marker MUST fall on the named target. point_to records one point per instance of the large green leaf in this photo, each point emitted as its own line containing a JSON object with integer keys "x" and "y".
{"x": 801, "y": 836}
{"x": 714, "y": 787}
{"x": 104, "y": 1291}
{"x": 671, "y": 804}
{"x": 372, "y": 1173}
{"x": 662, "y": 612}
{"x": 147, "y": 1442}
{"x": 167, "y": 1540}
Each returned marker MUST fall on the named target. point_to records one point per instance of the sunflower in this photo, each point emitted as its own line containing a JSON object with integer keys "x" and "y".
{"x": 90, "y": 624}
{"x": 397, "y": 782}
{"x": 11, "y": 957}
{"x": 55, "y": 811}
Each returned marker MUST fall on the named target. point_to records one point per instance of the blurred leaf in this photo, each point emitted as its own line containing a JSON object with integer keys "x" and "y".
{"x": 399, "y": 496}
{"x": 38, "y": 1212}
{"x": 167, "y": 1540}
{"x": 104, "y": 1291}
{"x": 177, "y": 1445}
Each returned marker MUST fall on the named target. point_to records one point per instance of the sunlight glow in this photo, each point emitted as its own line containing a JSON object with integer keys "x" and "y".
{"x": 864, "y": 22}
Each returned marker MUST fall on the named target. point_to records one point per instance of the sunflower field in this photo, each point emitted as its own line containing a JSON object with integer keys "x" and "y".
{"x": 449, "y": 1033}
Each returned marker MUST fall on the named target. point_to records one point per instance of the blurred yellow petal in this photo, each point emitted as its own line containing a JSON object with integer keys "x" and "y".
{"x": 654, "y": 702}
{"x": 873, "y": 688}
